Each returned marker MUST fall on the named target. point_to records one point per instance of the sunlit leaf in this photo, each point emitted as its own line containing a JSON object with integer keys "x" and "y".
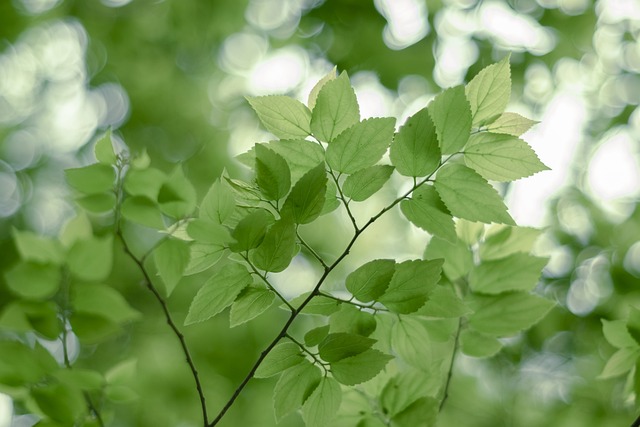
{"x": 415, "y": 150}
{"x": 104, "y": 149}
{"x": 489, "y": 92}
{"x": 322, "y": 405}
{"x": 33, "y": 280}
{"x": 370, "y": 280}
{"x": 451, "y": 116}
{"x": 426, "y": 210}
{"x": 516, "y": 272}
{"x": 476, "y": 344}
{"x": 171, "y": 259}
{"x": 341, "y": 345}
{"x": 306, "y": 200}
{"x": 359, "y": 368}
{"x": 366, "y": 182}
{"x": 278, "y": 247}
{"x": 251, "y": 303}
{"x": 313, "y": 95}
{"x": 511, "y": 124}
{"x": 92, "y": 179}
{"x": 272, "y": 173}
{"x": 335, "y": 110}
{"x": 293, "y": 388}
{"x": 283, "y": 356}
{"x": 283, "y": 116}
{"x": 91, "y": 259}
{"x": 411, "y": 284}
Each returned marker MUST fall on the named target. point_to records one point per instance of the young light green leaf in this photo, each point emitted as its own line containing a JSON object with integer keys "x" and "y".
{"x": 516, "y": 272}
{"x": 33, "y": 280}
{"x": 331, "y": 201}
{"x": 322, "y": 405}
{"x": 501, "y": 157}
{"x": 250, "y": 231}
{"x": 476, "y": 344}
{"x": 426, "y": 210}
{"x": 218, "y": 292}
{"x": 360, "y": 146}
{"x": 360, "y": 368}
{"x": 84, "y": 379}
{"x": 92, "y": 179}
{"x": 467, "y": 195}
{"x": 103, "y": 301}
{"x": 410, "y": 340}
{"x": 503, "y": 240}
{"x": 203, "y": 256}
{"x": 205, "y": 231}
{"x": 458, "y": 257}
{"x": 145, "y": 182}
{"x": 313, "y": 95}
{"x": 422, "y": 412}
{"x": 451, "y": 116}
{"x": 353, "y": 321}
{"x": 91, "y": 259}
{"x": 511, "y": 124}
{"x": 403, "y": 389}
{"x": 77, "y": 228}
{"x": 335, "y": 110}
{"x": 245, "y": 194}
{"x": 278, "y": 247}
{"x": 411, "y": 284}
{"x": 97, "y": 203}
{"x": 60, "y": 403}
{"x": 177, "y": 197}
{"x": 306, "y": 200}
{"x": 251, "y": 303}
{"x": 218, "y": 204}
{"x": 142, "y": 210}
{"x": 342, "y": 345}
{"x": 414, "y": 150}
{"x": 316, "y": 335}
{"x": 33, "y": 247}
{"x": 104, "y": 149}
{"x": 283, "y": 116}
{"x": 171, "y": 258}
{"x": 617, "y": 333}
{"x": 366, "y": 182}
{"x": 371, "y": 280}
{"x": 283, "y": 356}
{"x": 318, "y": 305}
{"x": 620, "y": 363}
{"x": 301, "y": 155}
{"x": 489, "y": 92}
{"x": 293, "y": 388}
{"x": 507, "y": 314}
{"x": 272, "y": 173}
{"x": 444, "y": 303}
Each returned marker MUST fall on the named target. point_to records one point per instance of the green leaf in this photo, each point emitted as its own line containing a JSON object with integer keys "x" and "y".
{"x": 142, "y": 210}
{"x": 360, "y": 146}
{"x": 92, "y": 179}
{"x": 501, "y": 157}
{"x": 370, "y": 280}
{"x": 251, "y": 303}
{"x": 516, "y": 272}
{"x": 218, "y": 204}
{"x": 427, "y": 211}
{"x": 511, "y": 124}
{"x": 342, "y": 345}
{"x": 359, "y": 368}
{"x": 414, "y": 150}
{"x": 469, "y": 232}
{"x": 33, "y": 247}
{"x": 27, "y": 316}
{"x": 336, "y": 109}
{"x": 306, "y": 200}
{"x": 102, "y": 301}
{"x": 278, "y": 247}
{"x": 104, "y": 149}
{"x": 84, "y": 379}
{"x": 32, "y": 280}
{"x": 507, "y": 314}
{"x": 300, "y": 155}
{"x": 144, "y": 182}
{"x": 293, "y": 388}
{"x": 331, "y": 201}
{"x": 77, "y": 228}
{"x": 177, "y": 197}
{"x": 477, "y": 344}
{"x": 410, "y": 340}
{"x": 467, "y": 195}
{"x": 313, "y": 95}
{"x": 458, "y": 258}
{"x": 489, "y": 92}
{"x": 283, "y": 356}
{"x": 353, "y": 321}
{"x": 171, "y": 259}
{"x": 617, "y": 333}
{"x": 451, "y": 116}
{"x": 283, "y": 116}
{"x": 322, "y": 405}
{"x": 272, "y": 173}
{"x": 244, "y": 194}
{"x": 402, "y": 390}
{"x": 422, "y": 412}
{"x": 411, "y": 284}
{"x": 97, "y": 203}
{"x": 366, "y": 182}
{"x": 620, "y": 363}
{"x": 318, "y": 305}
{"x": 444, "y": 303}
{"x": 503, "y": 240}
{"x": 250, "y": 231}
{"x": 316, "y": 335}
{"x": 91, "y": 259}
{"x": 20, "y": 365}
{"x": 59, "y": 402}
{"x": 202, "y": 257}
{"x": 218, "y": 292}
{"x": 205, "y": 231}
{"x": 141, "y": 160}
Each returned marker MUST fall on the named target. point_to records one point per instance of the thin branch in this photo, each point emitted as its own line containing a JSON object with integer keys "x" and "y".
{"x": 344, "y": 200}
{"x": 306, "y": 350}
{"x": 454, "y": 352}
{"x": 311, "y": 250}
{"x": 266, "y": 282}
{"x": 371, "y": 306}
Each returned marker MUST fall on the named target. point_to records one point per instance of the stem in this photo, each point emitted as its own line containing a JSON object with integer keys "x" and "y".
{"x": 266, "y": 282}
{"x": 454, "y": 352}
{"x": 357, "y": 304}
{"x": 306, "y": 350}
{"x": 171, "y": 323}
{"x": 311, "y": 250}
{"x": 343, "y": 199}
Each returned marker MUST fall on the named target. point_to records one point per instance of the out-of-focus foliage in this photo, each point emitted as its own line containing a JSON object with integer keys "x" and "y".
{"x": 170, "y": 78}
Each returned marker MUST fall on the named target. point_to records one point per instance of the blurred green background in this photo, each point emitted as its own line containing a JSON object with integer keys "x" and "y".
{"x": 170, "y": 76}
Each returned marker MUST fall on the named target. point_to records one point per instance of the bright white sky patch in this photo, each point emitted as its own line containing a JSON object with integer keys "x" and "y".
{"x": 280, "y": 72}
{"x": 406, "y": 22}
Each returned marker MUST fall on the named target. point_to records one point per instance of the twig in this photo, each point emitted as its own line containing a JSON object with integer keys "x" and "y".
{"x": 266, "y": 281}
{"x": 454, "y": 352}
{"x": 311, "y": 250}
{"x": 371, "y": 306}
